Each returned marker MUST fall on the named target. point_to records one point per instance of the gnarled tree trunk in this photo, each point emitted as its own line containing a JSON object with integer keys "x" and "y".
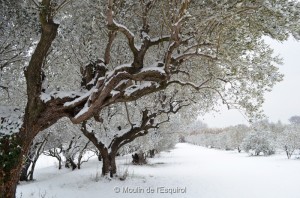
{"x": 109, "y": 163}
{"x": 14, "y": 147}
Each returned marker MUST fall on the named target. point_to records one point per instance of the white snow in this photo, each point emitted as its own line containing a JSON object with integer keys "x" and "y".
{"x": 124, "y": 27}
{"x": 121, "y": 83}
{"x": 11, "y": 120}
{"x": 45, "y": 97}
{"x": 83, "y": 110}
{"x": 90, "y": 128}
{"x": 157, "y": 38}
{"x": 157, "y": 69}
{"x": 114, "y": 92}
{"x": 138, "y": 47}
{"x": 120, "y": 67}
{"x": 145, "y": 36}
{"x": 115, "y": 71}
{"x": 85, "y": 95}
{"x": 134, "y": 88}
{"x": 188, "y": 170}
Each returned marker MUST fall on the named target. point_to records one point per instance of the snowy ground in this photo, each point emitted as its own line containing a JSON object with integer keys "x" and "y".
{"x": 188, "y": 170}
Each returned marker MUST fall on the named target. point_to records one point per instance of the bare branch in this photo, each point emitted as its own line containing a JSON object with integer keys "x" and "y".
{"x": 157, "y": 41}
{"x": 114, "y": 26}
{"x": 197, "y": 46}
{"x": 6, "y": 89}
{"x": 111, "y": 37}
{"x": 194, "y": 54}
{"x": 63, "y": 4}
{"x": 35, "y": 3}
{"x": 197, "y": 87}
{"x": 221, "y": 96}
{"x": 127, "y": 113}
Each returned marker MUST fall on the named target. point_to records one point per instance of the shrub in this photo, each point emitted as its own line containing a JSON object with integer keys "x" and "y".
{"x": 258, "y": 142}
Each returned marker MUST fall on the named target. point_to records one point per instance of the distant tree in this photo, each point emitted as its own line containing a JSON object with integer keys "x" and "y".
{"x": 70, "y": 151}
{"x": 151, "y": 144}
{"x": 192, "y": 128}
{"x": 55, "y": 152}
{"x": 257, "y": 142}
{"x": 208, "y": 137}
{"x": 228, "y": 138}
{"x": 237, "y": 134}
{"x": 74, "y": 150}
{"x": 36, "y": 149}
{"x": 295, "y": 120}
{"x": 67, "y": 144}
{"x": 289, "y": 140}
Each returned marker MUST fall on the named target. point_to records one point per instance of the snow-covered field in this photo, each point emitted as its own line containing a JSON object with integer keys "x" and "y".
{"x": 187, "y": 171}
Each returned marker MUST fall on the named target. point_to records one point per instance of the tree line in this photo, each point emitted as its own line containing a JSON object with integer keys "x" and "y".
{"x": 260, "y": 138}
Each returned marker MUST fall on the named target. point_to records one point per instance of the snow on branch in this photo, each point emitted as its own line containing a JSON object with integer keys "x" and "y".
{"x": 114, "y": 26}
{"x": 149, "y": 120}
{"x": 45, "y": 97}
{"x": 79, "y": 99}
{"x": 135, "y": 88}
{"x": 158, "y": 40}
{"x": 122, "y": 84}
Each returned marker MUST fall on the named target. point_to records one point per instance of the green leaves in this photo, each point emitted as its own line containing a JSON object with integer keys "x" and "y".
{"x": 10, "y": 152}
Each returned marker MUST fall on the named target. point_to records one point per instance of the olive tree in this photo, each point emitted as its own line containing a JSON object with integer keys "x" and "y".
{"x": 212, "y": 48}
{"x": 122, "y": 124}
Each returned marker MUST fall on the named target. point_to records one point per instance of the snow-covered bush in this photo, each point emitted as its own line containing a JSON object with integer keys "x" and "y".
{"x": 229, "y": 138}
{"x": 161, "y": 139}
{"x": 289, "y": 140}
{"x": 259, "y": 142}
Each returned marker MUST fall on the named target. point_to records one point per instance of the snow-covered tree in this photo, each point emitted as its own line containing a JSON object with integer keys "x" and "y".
{"x": 289, "y": 140}
{"x": 122, "y": 124}
{"x": 192, "y": 128}
{"x": 236, "y": 136}
{"x": 295, "y": 120}
{"x": 67, "y": 144}
{"x": 212, "y": 49}
{"x": 18, "y": 31}
{"x": 208, "y": 137}
{"x": 257, "y": 142}
{"x": 156, "y": 141}
{"x": 36, "y": 149}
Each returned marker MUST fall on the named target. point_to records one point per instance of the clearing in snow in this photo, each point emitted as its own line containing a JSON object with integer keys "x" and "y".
{"x": 186, "y": 171}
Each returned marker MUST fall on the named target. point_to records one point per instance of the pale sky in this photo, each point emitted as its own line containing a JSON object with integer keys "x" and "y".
{"x": 280, "y": 104}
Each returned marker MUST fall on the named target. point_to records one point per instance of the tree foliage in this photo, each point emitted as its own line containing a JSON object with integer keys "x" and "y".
{"x": 295, "y": 120}
{"x": 80, "y": 57}
{"x": 259, "y": 142}
{"x": 289, "y": 140}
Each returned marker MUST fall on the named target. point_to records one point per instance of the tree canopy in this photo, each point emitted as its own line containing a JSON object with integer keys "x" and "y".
{"x": 70, "y": 58}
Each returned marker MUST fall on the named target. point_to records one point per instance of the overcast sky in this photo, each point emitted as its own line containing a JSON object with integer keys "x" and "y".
{"x": 280, "y": 104}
